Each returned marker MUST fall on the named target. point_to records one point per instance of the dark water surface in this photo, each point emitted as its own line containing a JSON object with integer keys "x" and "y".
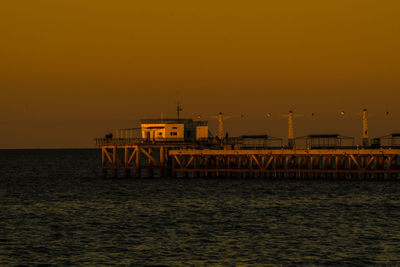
{"x": 56, "y": 209}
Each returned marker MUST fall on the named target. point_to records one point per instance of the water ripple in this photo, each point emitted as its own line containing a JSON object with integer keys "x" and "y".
{"x": 60, "y": 212}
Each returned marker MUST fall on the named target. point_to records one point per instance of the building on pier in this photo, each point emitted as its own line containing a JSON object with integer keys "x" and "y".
{"x": 174, "y": 130}
{"x": 259, "y": 142}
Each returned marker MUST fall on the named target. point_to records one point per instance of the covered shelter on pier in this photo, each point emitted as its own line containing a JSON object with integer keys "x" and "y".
{"x": 390, "y": 140}
{"x": 327, "y": 141}
{"x": 258, "y": 142}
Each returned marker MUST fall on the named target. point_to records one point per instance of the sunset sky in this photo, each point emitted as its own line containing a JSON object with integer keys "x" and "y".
{"x": 71, "y": 69}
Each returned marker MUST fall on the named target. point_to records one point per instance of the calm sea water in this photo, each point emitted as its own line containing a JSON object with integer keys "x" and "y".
{"x": 55, "y": 209}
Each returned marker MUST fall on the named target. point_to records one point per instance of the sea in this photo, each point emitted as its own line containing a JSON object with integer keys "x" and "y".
{"x": 57, "y": 209}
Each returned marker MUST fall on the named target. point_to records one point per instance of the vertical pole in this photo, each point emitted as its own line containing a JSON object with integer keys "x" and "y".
{"x": 185, "y": 173}
{"x": 173, "y": 167}
{"x": 365, "y": 128}
{"x": 229, "y": 159}
{"x": 220, "y": 126}
{"x": 138, "y": 170}
{"x": 287, "y": 167}
{"x": 205, "y": 162}
{"x": 115, "y": 161}
{"x": 103, "y": 161}
{"x": 196, "y": 165}
{"x": 337, "y": 166}
{"x": 299, "y": 160}
{"x": 217, "y": 159}
{"x": 349, "y": 166}
{"x": 162, "y": 161}
{"x": 290, "y": 130}
{"x": 363, "y": 166}
{"x": 126, "y": 158}
{"x": 202, "y": 165}
{"x": 168, "y": 162}
{"x": 150, "y": 163}
{"x": 250, "y": 159}
{"x": 389, "y": 163}
{"x": 239, "y": 165}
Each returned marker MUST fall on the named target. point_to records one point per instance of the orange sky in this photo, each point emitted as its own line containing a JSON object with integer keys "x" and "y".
{"x": 70, "y": 69}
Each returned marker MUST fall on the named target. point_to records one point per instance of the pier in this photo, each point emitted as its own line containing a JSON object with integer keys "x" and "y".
{"x": 186, "y": 148}
{"x": 139, "y": 158}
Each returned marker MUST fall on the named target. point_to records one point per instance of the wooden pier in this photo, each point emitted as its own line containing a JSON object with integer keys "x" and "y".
{"x": 291, "y": 163}
{"x": 179, "y": 159}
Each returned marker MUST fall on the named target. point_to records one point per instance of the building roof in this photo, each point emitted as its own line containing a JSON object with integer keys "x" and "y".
{"x": 174, "y": 121}
{"x": 254, "y": 136}
{"x": 323, "y": 136}
{"x": 166, "y": 121}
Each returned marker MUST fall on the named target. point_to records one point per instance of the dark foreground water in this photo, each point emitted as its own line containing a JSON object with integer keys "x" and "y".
{"x": 55, "y": 209}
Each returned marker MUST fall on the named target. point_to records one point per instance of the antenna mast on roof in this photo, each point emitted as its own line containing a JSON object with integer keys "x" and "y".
{"x": 178, "y": 106}
{"x": 178, "y": 109}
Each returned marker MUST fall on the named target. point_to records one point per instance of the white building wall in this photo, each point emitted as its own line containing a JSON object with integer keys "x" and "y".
{"x": 201, "y": 132}
{"x": 153, "y": 131}
{"x": 175, "y": 131}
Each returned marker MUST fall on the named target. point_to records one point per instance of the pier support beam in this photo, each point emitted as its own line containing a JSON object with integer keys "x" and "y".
{"x": 279, "y": 163}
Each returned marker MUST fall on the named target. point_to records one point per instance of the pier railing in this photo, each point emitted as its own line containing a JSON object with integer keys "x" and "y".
{"x": 137, "y": 141}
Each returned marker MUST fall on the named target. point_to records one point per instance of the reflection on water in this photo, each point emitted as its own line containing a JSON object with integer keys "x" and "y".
{"x": 55, "y": 209}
